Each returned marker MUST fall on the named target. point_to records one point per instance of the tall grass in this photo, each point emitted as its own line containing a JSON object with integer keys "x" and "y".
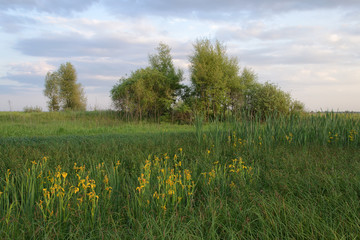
{"x": 288, "y": 177}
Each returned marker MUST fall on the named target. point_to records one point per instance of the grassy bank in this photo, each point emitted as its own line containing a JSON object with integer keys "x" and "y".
{"x": 293, "y": 177}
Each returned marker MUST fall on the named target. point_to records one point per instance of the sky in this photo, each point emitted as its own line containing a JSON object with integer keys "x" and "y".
{"x": 309, "y": 48}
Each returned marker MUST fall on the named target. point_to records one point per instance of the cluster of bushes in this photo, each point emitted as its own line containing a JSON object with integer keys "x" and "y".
{"x": 219, "y": 88}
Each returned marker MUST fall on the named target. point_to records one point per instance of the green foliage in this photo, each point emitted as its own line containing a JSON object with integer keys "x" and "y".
{"x": 213, "y": 75}
{"x": 162, "y": 61}
{"x": 219, "y": 88}
{"x": 30, "y": 109}
{"x": 149, "y": 92}
{"x": 63, "y": 91}
{"x": 52, "y": 90}
{"x": 266, "y": 99}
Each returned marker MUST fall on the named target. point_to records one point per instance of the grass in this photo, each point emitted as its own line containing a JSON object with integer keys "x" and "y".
{"x": 102, "y": 178}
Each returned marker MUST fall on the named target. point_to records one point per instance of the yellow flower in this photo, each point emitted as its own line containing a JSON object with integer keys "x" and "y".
{"x": 40, "y": 204}
{"x": 33, "y": 162}
{"x": 180, "y": 149}
{"x": 106, "y": 180}
{"x": 163, "y": 207}
{"x": 76, "y": 189}
{"x": 64, "y": 174}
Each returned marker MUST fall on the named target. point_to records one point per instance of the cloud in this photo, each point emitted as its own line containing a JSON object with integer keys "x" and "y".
{"x": 64, "y": 7}
{"x": 185, "y": 8}
{"x": 221, "y": 9}
{"x": 14, "y": 23}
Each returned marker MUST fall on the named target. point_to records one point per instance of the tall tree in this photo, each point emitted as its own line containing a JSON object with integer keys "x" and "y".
{"x": 162, "y": 62}
{"x": 71, "y": 92}
{"x": 63, "y": 90}
{"x": 213, "y": 74}
{"x": 52, "y": 91}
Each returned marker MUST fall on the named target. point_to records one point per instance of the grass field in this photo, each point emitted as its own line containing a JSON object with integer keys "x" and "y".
{"x": 89, "y": 175}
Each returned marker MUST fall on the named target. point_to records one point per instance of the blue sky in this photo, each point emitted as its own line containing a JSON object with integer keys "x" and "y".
{"x": 309, "y": 48}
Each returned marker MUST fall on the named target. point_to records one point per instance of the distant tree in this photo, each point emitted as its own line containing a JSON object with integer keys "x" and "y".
{"x": 297, "y": 107}
{"x": 71, "y": 92}
{"x": 52, "y": 91}
{"x": 63, "y": 91}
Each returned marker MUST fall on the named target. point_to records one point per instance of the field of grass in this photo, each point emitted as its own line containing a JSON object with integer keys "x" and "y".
{"x": 92, "y": 176}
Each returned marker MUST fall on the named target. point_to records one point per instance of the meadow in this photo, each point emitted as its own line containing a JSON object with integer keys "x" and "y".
{"x": 92, "y": 175}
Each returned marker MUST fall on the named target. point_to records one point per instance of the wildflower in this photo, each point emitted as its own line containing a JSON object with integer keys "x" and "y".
{"x": 76, "y": 189}
{"x": 40, "y": 204}
{"x": 34, "y": 162}
{"x": 64, "y": 175}
{"x": 106, "y": 180}
{"x": 163, "y": 207}
{"x": 180, "y": 149}
{"x": 118, "y": 163}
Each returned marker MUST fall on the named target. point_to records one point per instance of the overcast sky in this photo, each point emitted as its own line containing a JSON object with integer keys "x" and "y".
{"x": 309, "y": 48}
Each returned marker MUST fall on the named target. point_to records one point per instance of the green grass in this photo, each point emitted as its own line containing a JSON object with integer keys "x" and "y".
{"x": 303, "y": 185}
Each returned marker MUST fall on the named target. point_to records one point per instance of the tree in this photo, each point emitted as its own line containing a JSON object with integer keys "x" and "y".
{"x": 72, "y": 94}
{"x": 150, "y": 91}
{"x": 267, "y": 99}
{"x": 52, "y": 91}
{"x": 63, "y": 91}
{"x": 171, "y": 87}
{"x": 213, "y": 76}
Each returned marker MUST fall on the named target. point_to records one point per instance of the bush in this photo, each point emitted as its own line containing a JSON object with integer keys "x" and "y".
{"x": 30, "y": 109}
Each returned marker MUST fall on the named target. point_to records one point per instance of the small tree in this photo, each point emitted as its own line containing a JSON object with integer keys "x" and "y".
{"x": 52, "y": 91}
{"x": 63, "y": 91}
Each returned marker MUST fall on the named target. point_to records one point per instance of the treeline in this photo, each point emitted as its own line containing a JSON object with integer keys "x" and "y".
{"x": 219, "y": 88}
